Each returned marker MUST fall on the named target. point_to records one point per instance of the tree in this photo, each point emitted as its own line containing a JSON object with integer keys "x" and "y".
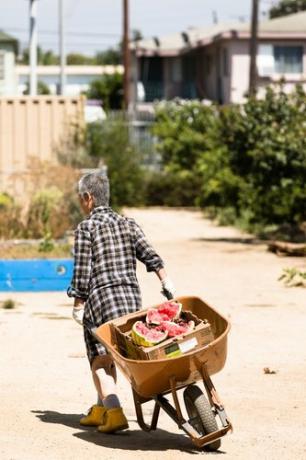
{"x": 285, "y": 7}
{"x": 80, "y": 59}
{"x": 42, "y": 88}
{"x": 110, "y": 142}
{"x": 49, "y": 58}
{"x": 43, "y": 57}
{"x": 109, "y": 90}
{"x": 111, "y": 56}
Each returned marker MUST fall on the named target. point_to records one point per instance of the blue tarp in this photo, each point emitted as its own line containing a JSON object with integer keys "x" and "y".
{"x": 35, "y": 275}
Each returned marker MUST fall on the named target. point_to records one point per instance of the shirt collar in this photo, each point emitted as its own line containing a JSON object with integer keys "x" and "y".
{"x": 100, "y": 209}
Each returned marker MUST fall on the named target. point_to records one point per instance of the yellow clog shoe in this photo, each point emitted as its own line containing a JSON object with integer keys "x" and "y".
{"x": 95, "y": 416}
{"x": 114, "y": 420}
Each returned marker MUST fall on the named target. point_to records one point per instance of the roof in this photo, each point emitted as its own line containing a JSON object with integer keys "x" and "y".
{"x": 5, "y": 38}
{"x": 172, "y": 44}
{"x": 292, "y": 23}
{"x": 286, "y": 27}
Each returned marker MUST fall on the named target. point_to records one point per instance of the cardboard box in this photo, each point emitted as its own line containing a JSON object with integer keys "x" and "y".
{"x": 199, "y": 337}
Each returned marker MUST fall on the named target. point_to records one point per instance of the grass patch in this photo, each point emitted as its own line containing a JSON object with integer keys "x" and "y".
{"x": 33, "y": 251}
{"x": 293, "y": 277}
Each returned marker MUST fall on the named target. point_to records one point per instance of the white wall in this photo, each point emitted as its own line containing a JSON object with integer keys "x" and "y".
{"x": 8, "y": 86}
{"x": 240, "y": 60}
{"x": 240, "y": 70}
{"x": 78, "y": 78}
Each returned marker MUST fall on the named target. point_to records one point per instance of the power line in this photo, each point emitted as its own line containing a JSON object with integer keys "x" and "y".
{"x": 79, "y": 34}
{"x": 71, "y": 44}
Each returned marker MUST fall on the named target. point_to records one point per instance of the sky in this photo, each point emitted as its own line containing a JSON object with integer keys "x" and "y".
{"x": 93, "y": 25}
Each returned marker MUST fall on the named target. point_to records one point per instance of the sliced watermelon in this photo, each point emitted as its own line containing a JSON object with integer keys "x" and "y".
{"x": 175, "y": 329}
{"x": 147, "y": 337}
{"x": 168, "y": 311}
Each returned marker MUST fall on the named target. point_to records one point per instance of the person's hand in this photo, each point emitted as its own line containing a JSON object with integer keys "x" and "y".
{"x": 168, "y": 289}
{"x": 78, "y": 313}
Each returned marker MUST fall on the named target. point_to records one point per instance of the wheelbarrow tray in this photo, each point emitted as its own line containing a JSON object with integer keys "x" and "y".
{"x": 150, "y": 378}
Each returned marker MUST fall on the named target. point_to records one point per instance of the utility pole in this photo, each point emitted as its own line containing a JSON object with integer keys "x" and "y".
{"x": 126, "y": 54}
{"x": 33, "y": 48}
{"x": 215, "y": 17}
{"x": 253, "y": 49}
{"x": 62, "y": 47}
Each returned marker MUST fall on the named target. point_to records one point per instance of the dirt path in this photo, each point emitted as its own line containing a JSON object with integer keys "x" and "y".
{"x": 44, "y": 378}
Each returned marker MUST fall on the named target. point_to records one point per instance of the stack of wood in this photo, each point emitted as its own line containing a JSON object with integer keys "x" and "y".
{"x": 282, "y": 248}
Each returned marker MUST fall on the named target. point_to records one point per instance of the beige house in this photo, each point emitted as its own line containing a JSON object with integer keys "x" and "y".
{"x": 8, "y": 52}
{"x": 213, "y": 63}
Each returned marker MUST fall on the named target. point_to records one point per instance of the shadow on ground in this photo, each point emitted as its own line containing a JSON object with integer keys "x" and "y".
{"x": 159, "y": 440}
{"x": 236, "y": 240}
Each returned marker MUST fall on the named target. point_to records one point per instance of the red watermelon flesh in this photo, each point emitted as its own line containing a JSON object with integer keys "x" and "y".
{"x": 146, "y": 336}
{"x": 168, "y": 311}
{"x": 175, "y": 329}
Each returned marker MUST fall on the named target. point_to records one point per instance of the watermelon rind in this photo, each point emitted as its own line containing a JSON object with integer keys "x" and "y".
{"x": 158, "y": 314}
{"x": 140, "y": 339}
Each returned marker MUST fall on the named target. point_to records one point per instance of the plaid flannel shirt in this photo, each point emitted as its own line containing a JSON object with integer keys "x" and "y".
{"x": 105, "y": 252}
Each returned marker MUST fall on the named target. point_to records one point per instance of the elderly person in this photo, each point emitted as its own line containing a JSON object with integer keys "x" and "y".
{"x": 105, "y": 286}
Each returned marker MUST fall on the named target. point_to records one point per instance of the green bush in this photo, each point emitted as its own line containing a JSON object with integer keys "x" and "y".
{"x": 266, "y": 144}
{"x": 48, "y": 207}
{"x": 109, "y": 90}
{"x": 44, "y": 207}
{"x": 246, "y": 163}
{"x": 187, "y": 133}
{"x": 109, "y": 143}
{"x": 170, "y": 189}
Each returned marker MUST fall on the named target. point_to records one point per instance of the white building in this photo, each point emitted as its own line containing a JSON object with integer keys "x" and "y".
{"x": 8, "y": 52}
{"x": 78, "y": 77}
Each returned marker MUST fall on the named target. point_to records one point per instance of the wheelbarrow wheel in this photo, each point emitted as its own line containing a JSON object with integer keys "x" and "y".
{"x": 200, "y": 414}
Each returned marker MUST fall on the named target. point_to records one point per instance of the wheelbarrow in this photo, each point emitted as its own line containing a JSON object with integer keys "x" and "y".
{"x": 156, "y": 379}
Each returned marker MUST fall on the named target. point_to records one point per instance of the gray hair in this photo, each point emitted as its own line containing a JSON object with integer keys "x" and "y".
{"x": 97, "y": 185}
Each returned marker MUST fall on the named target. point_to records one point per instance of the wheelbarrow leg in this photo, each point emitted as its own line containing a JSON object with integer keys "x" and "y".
{"x": 138, "y": 401}
{"x": 214, "y": 398}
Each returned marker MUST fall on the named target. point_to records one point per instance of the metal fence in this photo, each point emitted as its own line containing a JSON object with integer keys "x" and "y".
{"x": 32, "y": 127}
{"x": 140, "y": 134}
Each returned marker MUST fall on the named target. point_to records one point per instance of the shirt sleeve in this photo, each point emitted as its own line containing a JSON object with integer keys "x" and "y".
{"x": 82, "y": 264}
{"x": 145, "y": 252}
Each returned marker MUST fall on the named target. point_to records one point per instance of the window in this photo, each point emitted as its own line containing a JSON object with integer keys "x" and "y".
{"x": 2, "y": 70}
{"x": 279, "y": 59}
{"x": 288, "y": 59}
{"x": 265, "y": 60}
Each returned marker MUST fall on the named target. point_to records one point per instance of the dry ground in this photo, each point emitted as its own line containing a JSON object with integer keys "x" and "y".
{"x": 44, "y": 378}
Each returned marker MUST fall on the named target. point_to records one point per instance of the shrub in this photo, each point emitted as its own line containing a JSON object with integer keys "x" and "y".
{"x": 109, "y": 143}
{"x": 8, "y": 304}
{"x": 49, "y": 204}
{"x": 44, "y": 206}
{"x": 11, "y": 225}
{"x": 108, "y": 89}
{"x": 170, "y": 189}
{"x": 187, "y": 133}
{"x": 266, "y": 144}
{"x": 247, "y": 162}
